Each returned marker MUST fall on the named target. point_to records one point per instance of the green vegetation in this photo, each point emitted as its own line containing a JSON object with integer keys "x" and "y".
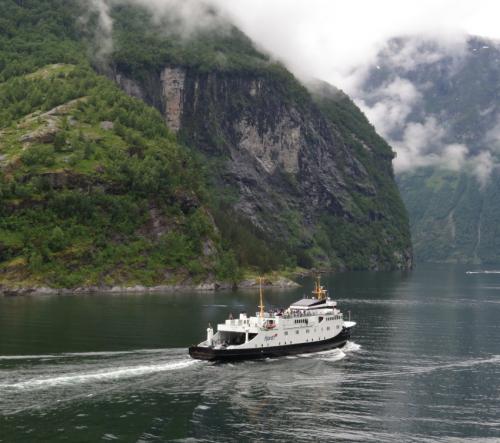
{"x": 143, "y": 46}
{"x": 94, "y": 190}
{"x": 454, "y": 218}
{"x": 83, "y": 183}
{"x": 36, "y": 33}
{"x": 358, "y": 242}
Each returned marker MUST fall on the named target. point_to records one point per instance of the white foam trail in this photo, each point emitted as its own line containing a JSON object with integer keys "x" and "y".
{"x": 102, "y": 375}
{"x": 416, "y": 370}
{"x": 333, "y": 356}
{"x": 482, "y": 272}
{"x": 83, "y": 354}
{"x": 27, "y": 357}
{"x": 350, "y": 346}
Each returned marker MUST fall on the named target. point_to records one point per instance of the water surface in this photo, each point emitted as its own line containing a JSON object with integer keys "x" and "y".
{"x": 423, "y": 365}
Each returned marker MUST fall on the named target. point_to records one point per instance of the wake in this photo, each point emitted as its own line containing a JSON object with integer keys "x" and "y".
{"x": 102, "y": 375}
{"x": 333, "y": 355}
{"x": 45, "y": 371}
{"x": 482, "y": 272}
{"x": 80, "y": 354}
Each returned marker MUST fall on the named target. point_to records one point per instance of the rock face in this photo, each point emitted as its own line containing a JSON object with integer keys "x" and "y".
{"x": 302, "y": 176}
{"x": 172, "y": 81}
{"x": 129, "y": 86}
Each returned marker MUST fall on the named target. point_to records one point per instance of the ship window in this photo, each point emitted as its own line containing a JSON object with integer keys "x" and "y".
{"x": 297, "y": 331}
{"x": 328, "y": 328}
{"x": 286, "y": 332}
{"x": 307, "y": 331}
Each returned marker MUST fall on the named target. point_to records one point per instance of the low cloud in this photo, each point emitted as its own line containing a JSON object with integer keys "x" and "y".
{"x": 482, "y": 166}
{"x": 103, "y": 29}
{"x": 391, "y": 104}
{"x": 423, "y": 144}
{"x": 184, "y": 17}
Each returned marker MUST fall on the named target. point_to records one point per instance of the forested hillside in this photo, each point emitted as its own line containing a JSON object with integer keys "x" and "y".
{"x": 98, "y": 188}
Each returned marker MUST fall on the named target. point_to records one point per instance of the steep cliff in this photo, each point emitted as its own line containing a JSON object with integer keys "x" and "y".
{"x": 304, "y": 166}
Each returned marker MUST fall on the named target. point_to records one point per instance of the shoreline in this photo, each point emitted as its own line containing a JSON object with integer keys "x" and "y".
{"x": 276, "y": 283}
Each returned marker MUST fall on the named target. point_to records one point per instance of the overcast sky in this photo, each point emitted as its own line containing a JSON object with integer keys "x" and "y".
{"x": 327, "y": 38}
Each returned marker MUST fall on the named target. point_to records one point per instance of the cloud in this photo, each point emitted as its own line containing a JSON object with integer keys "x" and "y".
{"x": 103, "y": 30}
{"x": 181, "y": 18}
{"x": 185, "y": 16}
{"x": 391, "y": 104}
{"x": 329, "y": 39}
{"x": 423, "y": 144}
{"x": 482, "y": 167}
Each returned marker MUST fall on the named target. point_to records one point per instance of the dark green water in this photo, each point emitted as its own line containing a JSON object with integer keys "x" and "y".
{"x": 423, "y": 365}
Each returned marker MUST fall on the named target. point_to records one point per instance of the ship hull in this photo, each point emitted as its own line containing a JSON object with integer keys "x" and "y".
{"x": 205, "y": 353}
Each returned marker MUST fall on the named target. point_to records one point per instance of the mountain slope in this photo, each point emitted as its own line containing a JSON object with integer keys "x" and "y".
{"x": 445, "y": 99}
{"x": 238, "y": 167}
{"x": 95, "y": 190}
{"x": 304, "y": 166}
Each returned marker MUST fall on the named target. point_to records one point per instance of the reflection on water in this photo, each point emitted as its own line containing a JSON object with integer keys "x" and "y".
{"x": 423, "y": 365}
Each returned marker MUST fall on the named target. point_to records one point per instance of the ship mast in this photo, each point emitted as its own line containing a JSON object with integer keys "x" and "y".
{"x": 319, "y": 291}
{"x": 261, "y": 306}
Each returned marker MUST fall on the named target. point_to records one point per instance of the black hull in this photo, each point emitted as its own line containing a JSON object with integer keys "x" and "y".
{"x": 203, "y": 353}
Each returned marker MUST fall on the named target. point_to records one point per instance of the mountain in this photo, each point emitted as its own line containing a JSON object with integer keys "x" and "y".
{"x": 440, "y": 100}
{"x": 147, "y": 156}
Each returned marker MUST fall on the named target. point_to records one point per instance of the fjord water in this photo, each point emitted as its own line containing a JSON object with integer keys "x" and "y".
{"x": 423, "y": 364}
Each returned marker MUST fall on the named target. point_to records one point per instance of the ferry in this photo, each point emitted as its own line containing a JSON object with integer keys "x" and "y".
{"x": 311, "y": 324}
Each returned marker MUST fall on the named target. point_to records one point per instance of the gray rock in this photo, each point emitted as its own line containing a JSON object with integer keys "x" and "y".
{"x": 107, "y": 126}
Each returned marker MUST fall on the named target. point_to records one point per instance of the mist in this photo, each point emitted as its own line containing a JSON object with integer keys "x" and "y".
{"x": 339, "y": 42}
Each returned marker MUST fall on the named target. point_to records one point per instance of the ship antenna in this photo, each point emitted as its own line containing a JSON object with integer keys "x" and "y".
{"x": 261, "y": 306}
{"x": 319, "y": 291}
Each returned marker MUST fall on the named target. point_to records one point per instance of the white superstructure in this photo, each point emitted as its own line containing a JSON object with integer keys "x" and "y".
{"x": 307, "y": 321}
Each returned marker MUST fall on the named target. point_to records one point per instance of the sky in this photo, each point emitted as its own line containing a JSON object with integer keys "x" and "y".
{"x": 328, "y": 38}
